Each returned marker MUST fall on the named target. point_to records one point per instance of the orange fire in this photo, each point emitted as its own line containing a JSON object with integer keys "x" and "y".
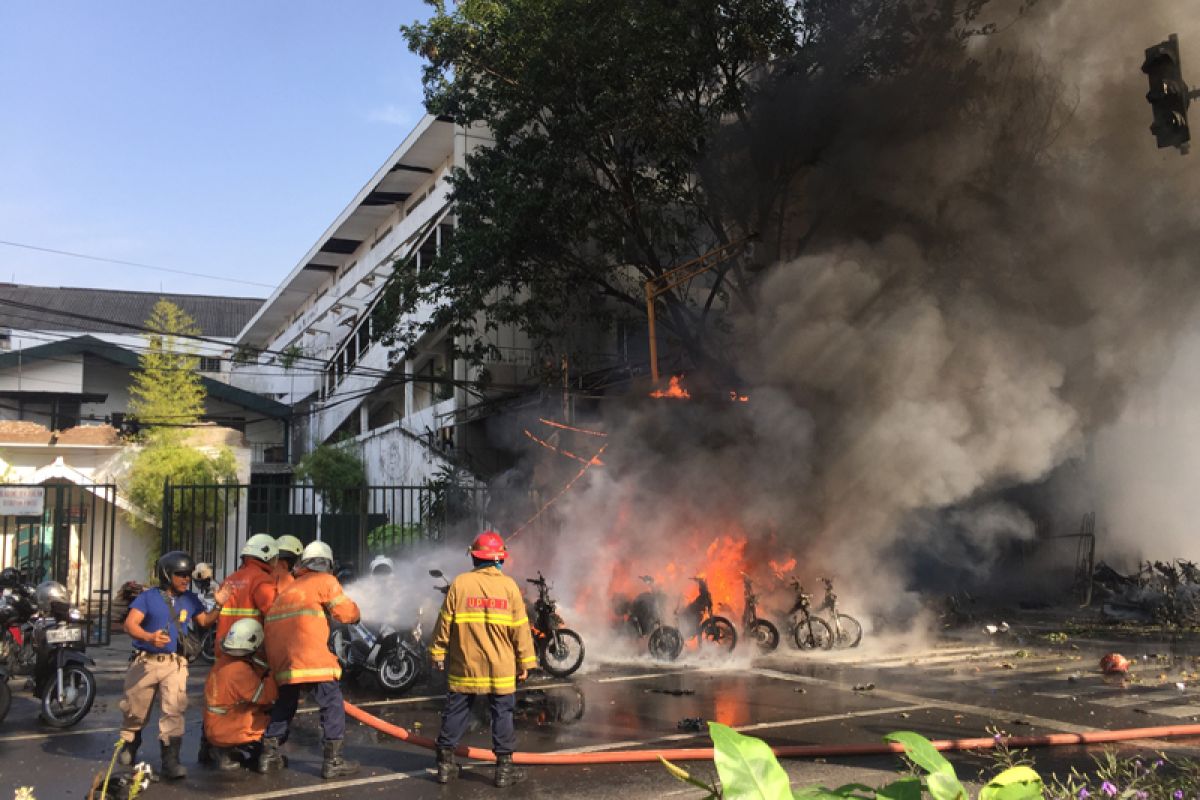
{"x": 739, "y": 398}
{"x": 674, "y": 390}
{"x": 781, "y": 568}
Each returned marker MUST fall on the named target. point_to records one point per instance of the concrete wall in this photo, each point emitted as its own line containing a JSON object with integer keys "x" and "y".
{"x": 63, "y": 374}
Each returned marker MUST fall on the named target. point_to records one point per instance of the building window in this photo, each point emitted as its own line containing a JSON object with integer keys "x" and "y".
{"x": 210, "y": 364}
{"x": 5, "y": 340}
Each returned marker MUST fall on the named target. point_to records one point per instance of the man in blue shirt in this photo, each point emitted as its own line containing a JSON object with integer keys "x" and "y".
{"x": 157, "y": 618}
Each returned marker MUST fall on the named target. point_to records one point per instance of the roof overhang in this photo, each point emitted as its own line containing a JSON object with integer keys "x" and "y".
{"x": 408, "y": 167}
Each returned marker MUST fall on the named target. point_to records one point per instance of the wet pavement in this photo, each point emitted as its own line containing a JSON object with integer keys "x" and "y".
{"x": 955, "y": 690}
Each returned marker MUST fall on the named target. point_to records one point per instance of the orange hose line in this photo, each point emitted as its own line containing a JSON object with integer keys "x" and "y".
{"x": 792, "y": 751}
{"x": 554, "y": 424}
{"x": 594, "y": 460}
{"x": 562, "y": 451}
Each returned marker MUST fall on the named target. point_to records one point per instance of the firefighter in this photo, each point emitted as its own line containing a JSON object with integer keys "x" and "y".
{"x": 156, "y": 619}
{"x": 483, "y": 632}
{"x": 238, "y": 695}
{"x": 290, "y": 549}
{"x": 297, "y": 630}
{"x": 252, "y": 586}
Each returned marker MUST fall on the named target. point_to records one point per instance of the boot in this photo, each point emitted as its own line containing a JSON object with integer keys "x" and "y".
{"x": 270, "y": 759}
{"x": 506, "y": 773}
{"x": 334, "y": 765}
{"x": 446, "y": 768}
{"x": 128, "y": 754}
{"x": 224, "y": 760}
{"x": 206, "y": 755}
{"x": 171, "y": 768}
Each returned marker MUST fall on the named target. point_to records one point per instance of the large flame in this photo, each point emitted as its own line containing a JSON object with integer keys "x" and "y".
{"x": 674, "y": 390}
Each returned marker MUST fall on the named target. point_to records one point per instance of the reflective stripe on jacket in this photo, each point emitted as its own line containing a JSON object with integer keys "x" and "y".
{"x": 297, "y": 628}
{"x": 237, "y": 701}
{"x": 253, "y": 591}
{"x": 483, "y": 634}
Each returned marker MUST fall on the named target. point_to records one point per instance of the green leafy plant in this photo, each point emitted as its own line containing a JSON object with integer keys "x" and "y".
{"x": 337, "y": 473}
{"x": 290, "y": 355}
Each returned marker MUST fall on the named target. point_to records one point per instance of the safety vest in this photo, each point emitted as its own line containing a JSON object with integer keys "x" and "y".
{"x": 237, "y": 701}
{"x": 253, "y": 588}
{"x": 297, "y": 628}
{"x": 483, "y": 634}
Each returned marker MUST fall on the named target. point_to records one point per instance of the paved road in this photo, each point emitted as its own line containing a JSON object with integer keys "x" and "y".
{"x": 950, "y": 691}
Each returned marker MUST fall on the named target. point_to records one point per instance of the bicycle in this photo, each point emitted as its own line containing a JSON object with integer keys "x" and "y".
{"x": 847, "y": 631}
{"x": 762, "y": 632}
{"x": 809, "y": 631}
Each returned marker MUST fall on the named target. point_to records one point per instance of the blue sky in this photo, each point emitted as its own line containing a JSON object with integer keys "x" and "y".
{"x": 219, "y": 137}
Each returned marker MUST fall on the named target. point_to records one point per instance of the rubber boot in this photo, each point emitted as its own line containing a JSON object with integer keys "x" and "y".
{"x": 334, "y": 765}
{"x": 171, "y": 768}
{"x": 270, "y": 759}
{"x": 224, "y": 760}
{"x": 206, "y": 756}
{"x": 506, "y": 773}
{"x": 128, "y": 754}
{"x": 446, "y": 768}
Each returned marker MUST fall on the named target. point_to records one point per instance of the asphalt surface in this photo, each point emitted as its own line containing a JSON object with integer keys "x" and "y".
{"x": 952, "y": 690}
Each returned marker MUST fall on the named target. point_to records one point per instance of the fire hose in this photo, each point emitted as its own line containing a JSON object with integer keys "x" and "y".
{"x": 793, "y": 751}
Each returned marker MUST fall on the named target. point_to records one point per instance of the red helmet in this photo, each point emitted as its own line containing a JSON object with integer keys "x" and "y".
{"x": 488, "y": 546}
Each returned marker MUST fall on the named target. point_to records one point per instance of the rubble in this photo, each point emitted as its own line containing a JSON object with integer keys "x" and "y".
{"x": 1162, "y": 593}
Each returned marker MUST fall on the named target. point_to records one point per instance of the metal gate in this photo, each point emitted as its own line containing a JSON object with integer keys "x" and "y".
{"x": 66, "y": 533}
{"x": 213, "y": 521}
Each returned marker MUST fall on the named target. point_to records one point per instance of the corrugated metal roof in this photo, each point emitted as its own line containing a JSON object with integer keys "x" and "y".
{"x": 98, "y": 309}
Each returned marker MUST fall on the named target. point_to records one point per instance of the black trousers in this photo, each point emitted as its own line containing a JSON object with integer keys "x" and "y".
{"x": 457, "y": 714}
{"x": 328, "y": 695}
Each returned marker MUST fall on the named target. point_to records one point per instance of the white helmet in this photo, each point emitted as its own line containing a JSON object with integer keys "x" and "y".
{"x": 289, "y": 546}
{"x": 261, "y": 546}
{"x": 382, "y": 565}
{"x": 314, "y": 553}
{"x": 244, "y": 637}
{"x": 202, "y": 572}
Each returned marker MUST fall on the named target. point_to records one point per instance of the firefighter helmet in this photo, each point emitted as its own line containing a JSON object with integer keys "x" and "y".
{"x": 488, "y": 546}
{"x": 382, "y": 565}
{"x": 289, "y": 546}
{"x": 317, "y": 556}
{"x": 244, "y": 637}
{"x": 261, "y": 546}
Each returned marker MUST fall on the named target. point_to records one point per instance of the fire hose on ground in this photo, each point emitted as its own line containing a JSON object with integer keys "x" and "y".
{"x": 793, "y": 751}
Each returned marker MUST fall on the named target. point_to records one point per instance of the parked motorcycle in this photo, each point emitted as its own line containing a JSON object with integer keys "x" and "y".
{"x": 375, "y": 657}
{"x": 847, "y": 631}
{"x": 809, "y": 631}
{"x": 643, "y": 618}
{"x": 559, "y": 649}
{"x": 698, "y": 619}
{"x": 761, "y": 631}
{"x": 43, "y": 639}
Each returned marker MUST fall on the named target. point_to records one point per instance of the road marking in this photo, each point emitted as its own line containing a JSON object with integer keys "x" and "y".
{"x": 27, "y": 737}
{"x": 330, "y": 785}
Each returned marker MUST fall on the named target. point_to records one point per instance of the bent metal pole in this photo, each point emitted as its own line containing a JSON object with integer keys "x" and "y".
{"x": 793, "y": 751}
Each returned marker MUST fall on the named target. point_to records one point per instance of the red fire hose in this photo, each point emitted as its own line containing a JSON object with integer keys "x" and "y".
{"x": 795, "y": 751}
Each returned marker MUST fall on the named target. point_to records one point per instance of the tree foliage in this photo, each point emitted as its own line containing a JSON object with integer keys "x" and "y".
{"x": 167, "y": 394}
{"x": 633, "y": 135}
{"x": 336, "y": 473}
{"x": 182, "y": 465}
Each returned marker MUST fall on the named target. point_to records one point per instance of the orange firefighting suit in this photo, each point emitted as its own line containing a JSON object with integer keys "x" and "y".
{"x": 253, "y": 587}
{"x": 297, "y": 628}
{"x": 237, "y": 701}
{"x": 483, "y": 634}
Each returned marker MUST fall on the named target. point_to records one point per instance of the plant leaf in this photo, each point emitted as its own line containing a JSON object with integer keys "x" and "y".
{"x": 1018, "y": 774}
{"x": 945, "y": 786}
{"x": 922, "y": 752}
{"x": 748, "y": 768}
{"x": 903, "y": 789}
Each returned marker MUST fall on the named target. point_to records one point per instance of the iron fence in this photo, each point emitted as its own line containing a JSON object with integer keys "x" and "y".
{"x": 213, "y": 521}
{"x": 66, "y": 533}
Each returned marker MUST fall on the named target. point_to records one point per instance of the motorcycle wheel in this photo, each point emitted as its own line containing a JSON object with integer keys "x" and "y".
{"x": 208, "y": 647}
{"x": 5, "y": 698}
{"x": 850, "y": 634}
{"x": 398, "y": 672}
{"x": 764, "y": 634}
{"x": 666, "y": 643}
{"x": 563, "y": 653}
{"x": 718, "y": 633}
{"x": 79, "y": 692}
{"x": 813, "y": 635}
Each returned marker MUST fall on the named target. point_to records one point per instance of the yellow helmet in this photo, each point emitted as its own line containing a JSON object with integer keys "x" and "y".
{"x": 289, "y": 546}
{"x": 261, "y": 546}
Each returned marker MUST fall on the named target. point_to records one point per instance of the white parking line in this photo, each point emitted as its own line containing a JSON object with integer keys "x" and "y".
{"x": 330, "y": 785}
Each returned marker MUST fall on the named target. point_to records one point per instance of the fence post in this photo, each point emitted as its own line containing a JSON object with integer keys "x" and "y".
{"x": 166, "y": 517}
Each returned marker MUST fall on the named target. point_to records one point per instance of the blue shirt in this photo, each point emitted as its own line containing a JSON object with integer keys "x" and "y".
{"x": 158, "y": 617}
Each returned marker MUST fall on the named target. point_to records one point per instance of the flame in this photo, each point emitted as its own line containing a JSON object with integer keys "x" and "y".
{"x": 738, "y": 398}
{"x": 781, "y": 568}
{"x": 674, "y": 390}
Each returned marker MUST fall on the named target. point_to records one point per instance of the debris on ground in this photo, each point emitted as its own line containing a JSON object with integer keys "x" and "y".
{"x": 1114, "y": 664}
{"x": 672, "y": 692}
{"x": 1160, "y": 592}
{"x": 691, "y": 724}
{"x": 992, "y": 630}
{"x": 863, "y": 687}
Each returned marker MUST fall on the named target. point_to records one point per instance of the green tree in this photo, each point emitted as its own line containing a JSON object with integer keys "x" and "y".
{"x": 167, "y": 394}
{"x": 633, "y": 135}
{"x": 337, "y": 474}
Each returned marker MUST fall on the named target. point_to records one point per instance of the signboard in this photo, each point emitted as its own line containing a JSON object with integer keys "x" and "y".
{"x": 22, "y": 501}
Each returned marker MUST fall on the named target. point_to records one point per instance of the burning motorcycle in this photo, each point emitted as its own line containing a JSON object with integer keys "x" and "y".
{"x": 697, "y": 619}
{"x": 847, "y": 631}
{"x": 643, "y": 618}
{"x": 43, "y": 638}
{"x": 761, "y": 631}
{"x": 559, "y": 649}
{"x": 809, "y": 631}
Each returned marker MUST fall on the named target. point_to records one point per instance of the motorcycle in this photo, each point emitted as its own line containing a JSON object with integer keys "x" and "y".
{"x": 643, "y": 618}
{"x": 47, "y": 644}
{"x": 697, "y": 619}
{"x": 761, "y": 631}
{"x": 371, "y": 657}
{"x": 559, "y": 649}
{"x": 809, "y": 631}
